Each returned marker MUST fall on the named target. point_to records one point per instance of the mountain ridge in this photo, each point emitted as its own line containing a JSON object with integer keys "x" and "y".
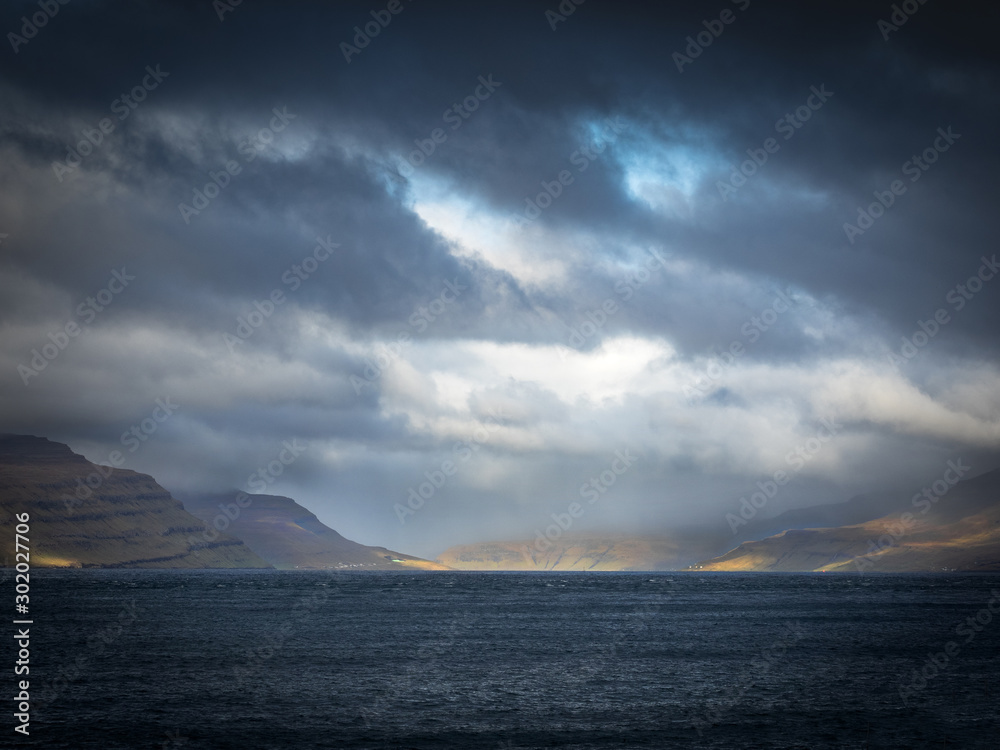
{"x": 290, "y": 536}
{"x": 85, "y": 515}
{"x": 958, "y": 529}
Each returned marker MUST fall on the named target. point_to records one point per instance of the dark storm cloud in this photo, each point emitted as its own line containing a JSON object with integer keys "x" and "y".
{"x": 340, "y": 169}
{"x": 885, "y": 107}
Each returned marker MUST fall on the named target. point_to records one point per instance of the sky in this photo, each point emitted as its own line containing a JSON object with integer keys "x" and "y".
{"x": 440, "y": 270}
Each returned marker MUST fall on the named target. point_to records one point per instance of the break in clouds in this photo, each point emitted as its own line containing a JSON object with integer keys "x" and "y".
{"x": 474, "y": 255}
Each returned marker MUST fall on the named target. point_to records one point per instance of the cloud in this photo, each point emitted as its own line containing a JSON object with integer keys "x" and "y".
{"x": 563, "y": 254}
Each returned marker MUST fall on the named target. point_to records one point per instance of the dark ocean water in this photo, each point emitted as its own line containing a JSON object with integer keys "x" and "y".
{"x": 149, "y": 659}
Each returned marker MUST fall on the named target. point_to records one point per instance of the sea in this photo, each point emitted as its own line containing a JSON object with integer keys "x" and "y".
{"x": 507, "y": 661}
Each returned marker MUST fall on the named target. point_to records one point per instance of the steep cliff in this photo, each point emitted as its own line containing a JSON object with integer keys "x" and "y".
{"x": 289, "y": 536}
{"x": 84, "y": 515}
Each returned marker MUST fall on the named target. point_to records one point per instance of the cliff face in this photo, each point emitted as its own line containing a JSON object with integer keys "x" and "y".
{"x": 120, "y": 519}
{"x": 289, "y": 536}
{"x": 959, "y": 531}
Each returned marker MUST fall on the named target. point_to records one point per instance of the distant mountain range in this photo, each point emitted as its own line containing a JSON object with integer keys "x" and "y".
{"x": 85, "y": 515}
{"x": 960, "y": 530}
{"x": 581, "y": 552}
{"x": 858, "y": 509}
{"x": 676, "y": 551}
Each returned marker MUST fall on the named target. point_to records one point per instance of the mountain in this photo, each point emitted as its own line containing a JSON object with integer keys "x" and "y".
{"x": 85, "y": 515}
{"x": 571, "y": 552}
{"x": 857, "y": 510}
{"x": 289, "y": 536}
{"x": 958, "y": 530}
